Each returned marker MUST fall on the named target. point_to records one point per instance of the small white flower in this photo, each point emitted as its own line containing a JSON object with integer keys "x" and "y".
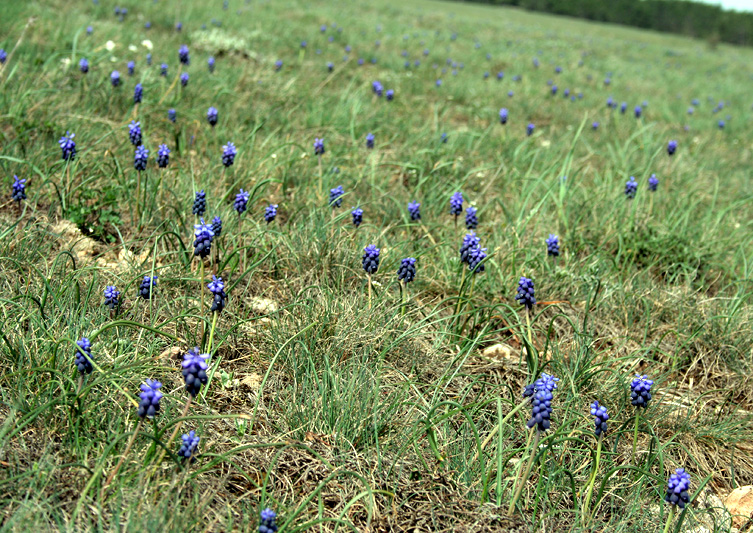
{"x": 546, "y": 144}
{"x": 146, "y": 43}
{"x": 132, "y": 47}
{"x": 110, "y": 46}
{"x": 113, "y": 59}
{"x": 274, "y": 156}
{"x": 65, "y": 62}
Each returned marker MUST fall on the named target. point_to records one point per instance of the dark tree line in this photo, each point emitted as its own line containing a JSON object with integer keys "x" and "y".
{"x": 677, "y": 16}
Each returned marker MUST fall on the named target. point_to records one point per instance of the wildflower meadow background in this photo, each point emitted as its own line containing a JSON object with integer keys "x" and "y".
{"x": 387, "y": 266}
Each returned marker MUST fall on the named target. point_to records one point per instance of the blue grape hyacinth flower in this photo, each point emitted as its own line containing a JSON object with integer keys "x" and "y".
{"x": 370, "y": 259}
{"x": 671, "y": 147}
{"x": 278, "y": 64}
{"x": 357, "y": 214}
{"x": 68, "y": 146}
{"x": 631, "y": 187}
{"x": 194, "y": 370}
{"x": 184, "y": 79}
{"x": 199, "y": 203}
{"x": 148, "y": 287}
{"x": 471, "y": 221}
{"x": 553, "y": 245}
{"x": 163, "y": 156}
{"x": 270, "y": 213}
{"x": 115, "y": 78}
{"x": 414, "y": 209}
{"x": 183, "y": 55}
{"x": 140, "y": 158}
{"x": 335, "y": 196}
{"x": 470, "y": 241}
{"x": 407, "y": 270}
{"x": 171, "y": 115}
{"x": 370, "y": 140}
{"x": 456, "y": 204}
{"x": 599, "y": 412}
{"x": 677, "y": 489}
{"x": 595, "y": 125}
{"x": 503, "y": 113}
{"x": 330, "y": 66}
{"x": 210, "y": 64}
{"x": 241, "y": 201}
{"x": 203, "y": 242}
{"x": 149, "y": 59}
{"x": 19, "y": 189}
{"x": 138, "y": 93}
{"x": 111, "y": 297}
{"x": 228, "y": 154}
{"x": 529, "y": 129}
{"x": 219, "y": 298}
{"x": 389, "y": 95}
{"x": 163, "y": 70}
{"x": 131, "y": 66}
{"x": 653, "y": 183}
{"x": 638, "y": 110}
{"x": 267, "y": 523}
{"x": 217, "y": 226}
{"x": 526, "y": 295}
{"x": 640, "y": 391}
{"x": 476, "y": 256}
{"x": 83, "y": 65}
{"x": 541, "y": 410}
{"x": 318, "y": 146}
{"x": 189, "y": 446}
{"x": 84, "y": 356}
{"x": 3, "y": 56}
{"x": 134, "y": 133}
{"x": 150, "y": 397}
{"x": 212, "y": 116}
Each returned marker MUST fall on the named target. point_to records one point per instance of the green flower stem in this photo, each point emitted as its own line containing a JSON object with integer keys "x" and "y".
{"x": 635, "y": 433}
{"x": 503, "y": 422}
{"x": 122, "y": 458}
{"x": 172, "y": 436}
{"x": 368, "y": 278}
{"x": 669, "y": 518}
{"x": 591, "y": 482}
{"x": 519, "y": 489}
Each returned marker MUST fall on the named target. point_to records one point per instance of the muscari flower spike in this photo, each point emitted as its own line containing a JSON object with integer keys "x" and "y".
{"x": 370, "y": 140}
{"x": 217, "y": 226}
{"x": 595, "y": 125}
{"x": 456, "y": 203}
{"x": 163, "y": 70}
{"x": 163, "y": 156}
{"x": 267, "y": 523}
{"x": 111, "y": 297}
{"x": 599, "y": 412}
{"x": 677, "y": 489}
{"x": 229, "y": 152}
{"x": 631, "y": 187}
{"x": 183, "y": 56}
{"x": 84, "y": 356}
{"x": 131, "y": 68}
{"x": 318, "y": 146}
{"x": 470, "y": 218}
{"x": 389, "y": 95}
{"x": 414, "y": 208}
{"x": 149, "y": 398}
{"x": 407, "y": 270}
{"x": 553, "y": 245}
{"x": 219, "y": 298}
{"x": 83, "y": 65}
{"x": 148, "y": 287}
{"x": 530, "y": 128}
{"x": 134, "y": 132}
{"x": 184, "y": 79}
{"x": 638, "y": 110}
{"x": 640, "y": 391}
{"x": 3, "y": 56}
{"x": 140, "y": 158}
{"x": 171, "y": 115}
{"x": 653, "y": 183}
{"x": 526, "y": 295}
{"x": 188, "y": 449}
{"x": 203, "y": 242}
{"x": 68, "y": 146}
{"x": 503, "y": 113}
{"x": 470, "y": 241}
{"x": 335, "y": 196}
{"x": 671, "y": 147}
{"x": 199, "y": 203}
{"x": 115, "y": 78}
{"x": 212, "y": 116}
{"x": 241, "y": 201}
{"x": 278, "y": 64}
{"x": 210, "y": 64}
{"x": 270, "y": 213}
{"x": 541, "y": 410}
{"x": 370, "y": 259}
{"x": 195, "y": 370}
{"x": 475, "y": 257}
{"x": 357, "y": 214}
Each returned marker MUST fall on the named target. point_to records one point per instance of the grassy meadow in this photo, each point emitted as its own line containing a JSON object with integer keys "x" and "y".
{"x": 353, "y": 402}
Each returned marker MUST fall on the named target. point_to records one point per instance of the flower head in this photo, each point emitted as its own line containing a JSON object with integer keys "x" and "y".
{"x": 163, "y": 156}
{"x": 149, "y": 59}
{"x": 115, "y": 78}
{"x": 212, "y": 116}
{"x": 278, "y": 64}
{"x": 599, "y": 412}
{"x": 470, "y": 218}
{"x": 267, "y": 523}
{"x": 83, "y": 65}
{"x": 638, "y": 110}
{"x": 357, "y": 214}
{"x": 371, "y": 259}
{"x": 134, "y": 133}
{"x": 199, "y": 203}
{"x": 530, "y": 128}
{"x": 623, "y": 107}
{"x": 183, "y": 56}
{"x": 335, "y": 196}
{"x": 138, "y": 93}
{"x": 553, "y": 245}
{"x": 721, "y": 124}
{"x": 389, "y": 95}
{"x": 210, "y": 64}
{"x": 377, "y": 88}
{"x": 139, "y": 158}
{"x": 203, "y": 242}
{"x": 68, "y": 146}
{"x": 217, "y": 226}
{"x": 163, "y": 70}
{"x": 526, "y": 295}
{"x": 640, "y": 391}
{"x": 677, "y": 489}
{"x": 414, "y": 210}
{"x": 171, "y": 115}
{"x": 131, "y": 66}
{"x": 541, "y": 410}
{"x": 184, "y": 79}
{"x": 330, "y": 66}
{"x": 19, "y": 189}
{"x": 148, "y": 287}
{"x": 111, "y": 297}
{"x": 241, "y": 201}
{"x": 470, "y": 241}
{"x": 503, "y": 115}
{"x": 630, "y": 188}
{"x": 456, "y": 203}
{"x": 270, "y": 213}
{"x": 195, "y": 370}
{"x": 671, "y": 147}
{"x": 318, "y": 146}
{"x": 476, "y": 256}
{"x": 149, "y": 398}
{"x": 188, "y": 447}
{"x": 653, "y": 183}
{"x": 228, "y": 154}
{"x": 219, "y": 298}
{"x": 370, "y": 140}
{"x": 407, "y": 270}
{"x": 84, "y": 356}
{"x": 595, "y": 125}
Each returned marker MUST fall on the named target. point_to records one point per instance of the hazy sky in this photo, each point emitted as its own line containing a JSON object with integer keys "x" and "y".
{"x": 740, "y": 5}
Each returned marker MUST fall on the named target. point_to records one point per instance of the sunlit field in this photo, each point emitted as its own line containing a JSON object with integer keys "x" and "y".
{"x": 385, "y": 266}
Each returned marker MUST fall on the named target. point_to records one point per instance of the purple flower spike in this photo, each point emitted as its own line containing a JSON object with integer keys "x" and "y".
{"x": 370, "y": 140}
{"x": 599, "y": 412}
{"x": 111, "y": 297}
{"x": 68, "y": 146}
{"x": 138, "y": 93}
{"x": 183, "y": 55}
{"x": 228, "y": 154}
{"x": 476, "y": 257}
{"x": 530, "y": 128}
{"x": 630, "y": 188}
{"x": 131, "y": 67}
{"x": 653, "y": 183}
{"x": 115, "y": 78}
{"x": 471, "y": 222}
{"x": 671, "y": 147}
{"x": 526, "y": 295}
{"x": 203, "y": 242}
{"x": 677, "y": 489}
{"x": 212, "y": 116}
{"x": 148, "y": 287}
{"x": 503, "y": 115}
{"x": 134, "y": 133}
{"x": 553, "y": 245}
{"x": 219, "y": 298}
{"x": 140, "y": 158}
{"x": 184, "y": 79}
{"x": 414, "y": 208}
{"x": 370, "y": 259}
{"x": 190, "y": 444}
{"x": 241, "y": 201}
{"x": 19, "y": 189}
{"x": 456, "y": 204}
{"x": 470, "y": 241}
{"x": 199, "y": 203}
{"x": 357, "y": 214}
{"x": 210, "y": 64}
{"x": 389, "y": 95}
{"x": 217, "y": 226}
{"x": 195, "y": 370}
{"x": 163, "y": 70}
{"x": 84, "y": 356}
{"x": 267, "y": 523}
{"x": 149, "y": 398}
{"x": 270, "y": 213}
{"x": 407, "y": 270}
{"x": 318, "y": 146}
{"x": 640, "y": 391}
{"x": 163, "y": 156}
{"x": 335, "y": 196}
{"x": 171, "y": 115}
{"x": 83, "y": 65}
